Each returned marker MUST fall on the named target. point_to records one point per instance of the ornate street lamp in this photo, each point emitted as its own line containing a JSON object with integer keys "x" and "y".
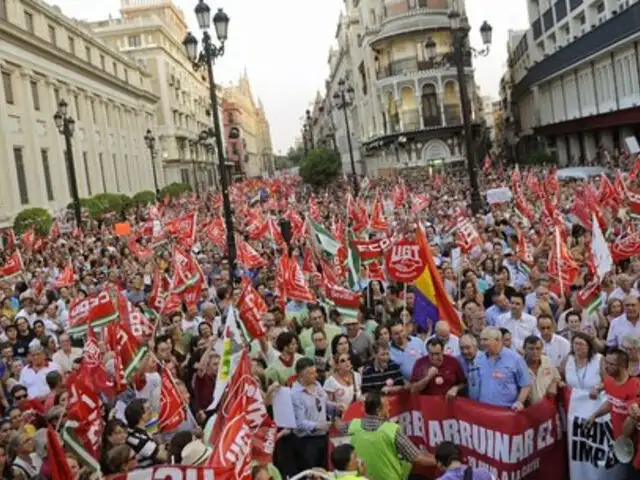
{"x": 343, "y": 99}
{"x": 205, "y": 59}
{"x": 66, "y": 126}
{"x": 460, "y": 51}
{"x": 150, "y": 141}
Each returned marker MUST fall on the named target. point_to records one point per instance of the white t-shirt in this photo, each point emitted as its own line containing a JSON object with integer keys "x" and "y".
{"x": 344, "y": 395}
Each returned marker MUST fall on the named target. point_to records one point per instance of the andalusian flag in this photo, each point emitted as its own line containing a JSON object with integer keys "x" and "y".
{"x": 352, "y": 263}
{"x": 322, "y": 238}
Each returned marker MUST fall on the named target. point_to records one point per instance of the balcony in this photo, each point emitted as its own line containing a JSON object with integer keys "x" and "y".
{"x": 411, "y": 120}
{"x": 561, "y": 9}
{"x": 431, "y": 121}
{"x": 409, "y": 66}
{"x": 401, "y": 19}
{"x": 547, "y": 19}
{"x": 537, "y": 29}
{"x": 452, "y": 115}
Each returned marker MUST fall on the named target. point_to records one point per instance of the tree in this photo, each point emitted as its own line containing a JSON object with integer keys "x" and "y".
{"x": 320, "y": 167}
{"x": 38, "y": 218}
{"x": 144, "y": 198}
{"x": 174, "y": 190}
{"x": 295, "y": 155}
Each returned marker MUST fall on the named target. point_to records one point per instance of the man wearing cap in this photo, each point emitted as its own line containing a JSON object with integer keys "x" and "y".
{"x": 361, "y": 341}
{"x": 34, "y": 375}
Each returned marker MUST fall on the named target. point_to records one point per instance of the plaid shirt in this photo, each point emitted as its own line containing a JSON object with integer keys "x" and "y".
{"x": 406, "y": 449}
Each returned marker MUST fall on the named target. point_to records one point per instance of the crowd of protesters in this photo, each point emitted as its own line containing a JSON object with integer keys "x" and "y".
{"x": 526, "y": 333}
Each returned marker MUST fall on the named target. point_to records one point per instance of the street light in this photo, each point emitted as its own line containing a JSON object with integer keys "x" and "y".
{"x": 205, "y": 58}
{"x": 150, "y": 141}
{"x": 207, "y": 139}
{"x": 344, "y": 99}
{"x": 66, "y": 125}
{"x": 309, "y": 125}
{"x": 460, "y": 51}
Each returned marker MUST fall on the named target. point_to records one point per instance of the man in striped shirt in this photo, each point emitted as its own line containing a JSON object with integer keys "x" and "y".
{"x": 148, "y": 452}
{"x": 382, "y": 375}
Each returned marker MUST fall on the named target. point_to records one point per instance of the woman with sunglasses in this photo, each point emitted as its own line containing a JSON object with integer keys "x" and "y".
{"x": 344, "y": 384}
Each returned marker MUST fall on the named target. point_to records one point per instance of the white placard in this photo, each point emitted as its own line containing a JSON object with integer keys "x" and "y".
{"x": 632, "y": 144}
{"x": 283, "y": 408}
{"x": 499, "y": 195}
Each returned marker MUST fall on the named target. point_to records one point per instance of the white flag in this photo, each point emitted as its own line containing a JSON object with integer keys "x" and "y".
{"x": 600, "y": 249}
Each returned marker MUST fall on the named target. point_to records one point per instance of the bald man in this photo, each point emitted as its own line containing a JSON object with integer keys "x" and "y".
{"x": 625, "y": 323}
{"x": 624, "y": 288}
{"x": 451, "y": 342}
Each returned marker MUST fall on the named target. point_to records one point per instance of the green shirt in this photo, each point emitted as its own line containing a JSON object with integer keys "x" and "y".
{"x": 278, "y": 372}
{"x": 378, "y": 450}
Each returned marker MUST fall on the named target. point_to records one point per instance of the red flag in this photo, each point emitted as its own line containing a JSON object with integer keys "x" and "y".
{"x": 247, "y": 256}
{"x": 296, "y": 286}
{"x": 92, "y": 367}
{"x": 377, "y": 221}
{"x": 184, "y": 229}
{"x": 54, "y": 231}
{"x": 419, "y": 203}
{"x": 159, "y": 289}
{"x": 252, "y": 306}
{"x": 67, "y": 277}
{"x": 172, "y": 408}
{"x": 12, "y": 267}
{"x": 626, "y": 247}
{"x": 95, "y": 311}
{"x": 563, "y": 269}
{"x": 313, "y": 209}
{"x": 186, "y": 272}
{"x": 28, "y": 238}
{"x": 60, "y": 469}
{"x": 525, "y": 248}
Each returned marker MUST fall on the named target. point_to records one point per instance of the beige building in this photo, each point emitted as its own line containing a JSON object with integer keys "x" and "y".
{"x": 46, "y": 57}
{"x": 253, "y": 148}
{"x": 406, "y": 112}
{"x": 151, "y": 32}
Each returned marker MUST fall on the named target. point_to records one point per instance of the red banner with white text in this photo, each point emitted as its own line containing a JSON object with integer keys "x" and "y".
{"x": 528, "y": 444}
{"x": 175, "y": 472}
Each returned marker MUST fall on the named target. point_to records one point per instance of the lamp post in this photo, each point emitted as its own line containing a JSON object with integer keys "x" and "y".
{"x": 460, "y": 51}
{"x": 194, "y": 166}
{"x": 344, "y": 99}
{"x": 207, "y": 139}
{"x": 309, "y": 126}
{"x": 66, "y": 125}
{"x": 150, "y": 141}
{"x": 205, "y": 58}
{"x": 305, "y": 135}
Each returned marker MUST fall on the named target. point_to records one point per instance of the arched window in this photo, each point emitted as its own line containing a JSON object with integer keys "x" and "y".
{"x": 430, "y": 107}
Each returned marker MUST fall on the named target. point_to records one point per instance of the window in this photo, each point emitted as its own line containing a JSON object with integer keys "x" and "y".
{"x": 430, "y": 107}
{"x": 115, "y": 172}
{"x": 126, "y": 166}
{"x": 56, "y": 95}
{"x": 28, "y": 21}
{"x": 3, "y": 9}
{"x": 72, "y": 45}
{"x": 35, "y": 96}
{"x": 104, "y": 180}
{"x": 22, "y": 175}
{"x": 8, "y": 88}
{"x": 46, "y": 169}
{"x": 87, "y": 53}
{"x": 52, "y": 34}
{"x": 115, "y": 68}
{"x": 106, "y": 113}
{"x": 85, "y": 160}
{"x": 103, "y": 62}
{"x": 93, "y": 110}
{"x": 126, "y": 75}
{"x": 76, "y": 103}
{"x": 134, "y": 41}
{"x": 184, "y": 175}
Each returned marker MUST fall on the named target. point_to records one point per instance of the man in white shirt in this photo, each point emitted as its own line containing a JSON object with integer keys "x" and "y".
{"x": 520, "y": 324}
{"x": 555, "y": 347}
{"x": 34, "y": 375}
{"x": 451, "y": 342}
{"x": 625, "y": 288}
{"x": 28, "y": 310}
{"x": 65, "y": 356}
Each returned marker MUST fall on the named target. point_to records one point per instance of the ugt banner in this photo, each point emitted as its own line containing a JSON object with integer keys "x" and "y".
{"x": 590, "y": 449}
{"x": 512, "y": 446}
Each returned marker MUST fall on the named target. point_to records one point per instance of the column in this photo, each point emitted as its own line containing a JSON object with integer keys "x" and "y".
{"x": 561, "y": 151}
{"x": 8, "y": 199}
{"x": 590, "y": 149}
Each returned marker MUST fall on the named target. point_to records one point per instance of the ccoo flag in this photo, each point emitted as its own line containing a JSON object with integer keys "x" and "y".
{"x": 432, "y": 303}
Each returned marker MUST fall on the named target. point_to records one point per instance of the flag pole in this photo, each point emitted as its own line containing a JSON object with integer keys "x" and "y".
{"x": 558, "y": 260}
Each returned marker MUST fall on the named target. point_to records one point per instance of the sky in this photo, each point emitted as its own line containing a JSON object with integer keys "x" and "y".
{"x": 284, "y": 46}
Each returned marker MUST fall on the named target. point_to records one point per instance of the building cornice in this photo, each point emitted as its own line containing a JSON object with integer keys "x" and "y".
{"x": 14, "y": 34}
{"x": 72, "y": 26}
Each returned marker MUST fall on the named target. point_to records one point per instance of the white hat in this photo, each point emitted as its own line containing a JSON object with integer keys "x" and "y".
{"x": 623, "y": 449}
{"x": 195, "y": 453}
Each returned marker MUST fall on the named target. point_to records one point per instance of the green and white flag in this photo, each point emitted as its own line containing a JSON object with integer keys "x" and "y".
{"x": 322, "y": 238}
{"x": 353, "y": 264}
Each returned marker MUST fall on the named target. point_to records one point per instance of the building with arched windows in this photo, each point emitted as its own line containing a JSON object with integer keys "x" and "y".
{"x": 406, "y": 112}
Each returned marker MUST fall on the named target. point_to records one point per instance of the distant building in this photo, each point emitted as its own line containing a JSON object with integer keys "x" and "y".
{"x": 151, "y": 32}
{"x": 46, "y": 57}
{"x": 252, "y": 153}
{"x": 574, "y": 79}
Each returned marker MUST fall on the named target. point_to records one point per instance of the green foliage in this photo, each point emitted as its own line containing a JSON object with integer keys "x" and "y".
{"x": 39, "y": 218}
{"x": 320, "y": 167}
{"x": 174, "y": 190}
{"x": 540, "y": 158}
{"x": 295, "y": 156}
{"x": 144, "y": 198}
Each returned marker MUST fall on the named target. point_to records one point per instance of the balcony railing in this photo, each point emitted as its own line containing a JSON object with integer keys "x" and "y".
{"x": 401, "y": 7}
{"x": 411, "y": 65}
{"x": 452, "y": 115}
